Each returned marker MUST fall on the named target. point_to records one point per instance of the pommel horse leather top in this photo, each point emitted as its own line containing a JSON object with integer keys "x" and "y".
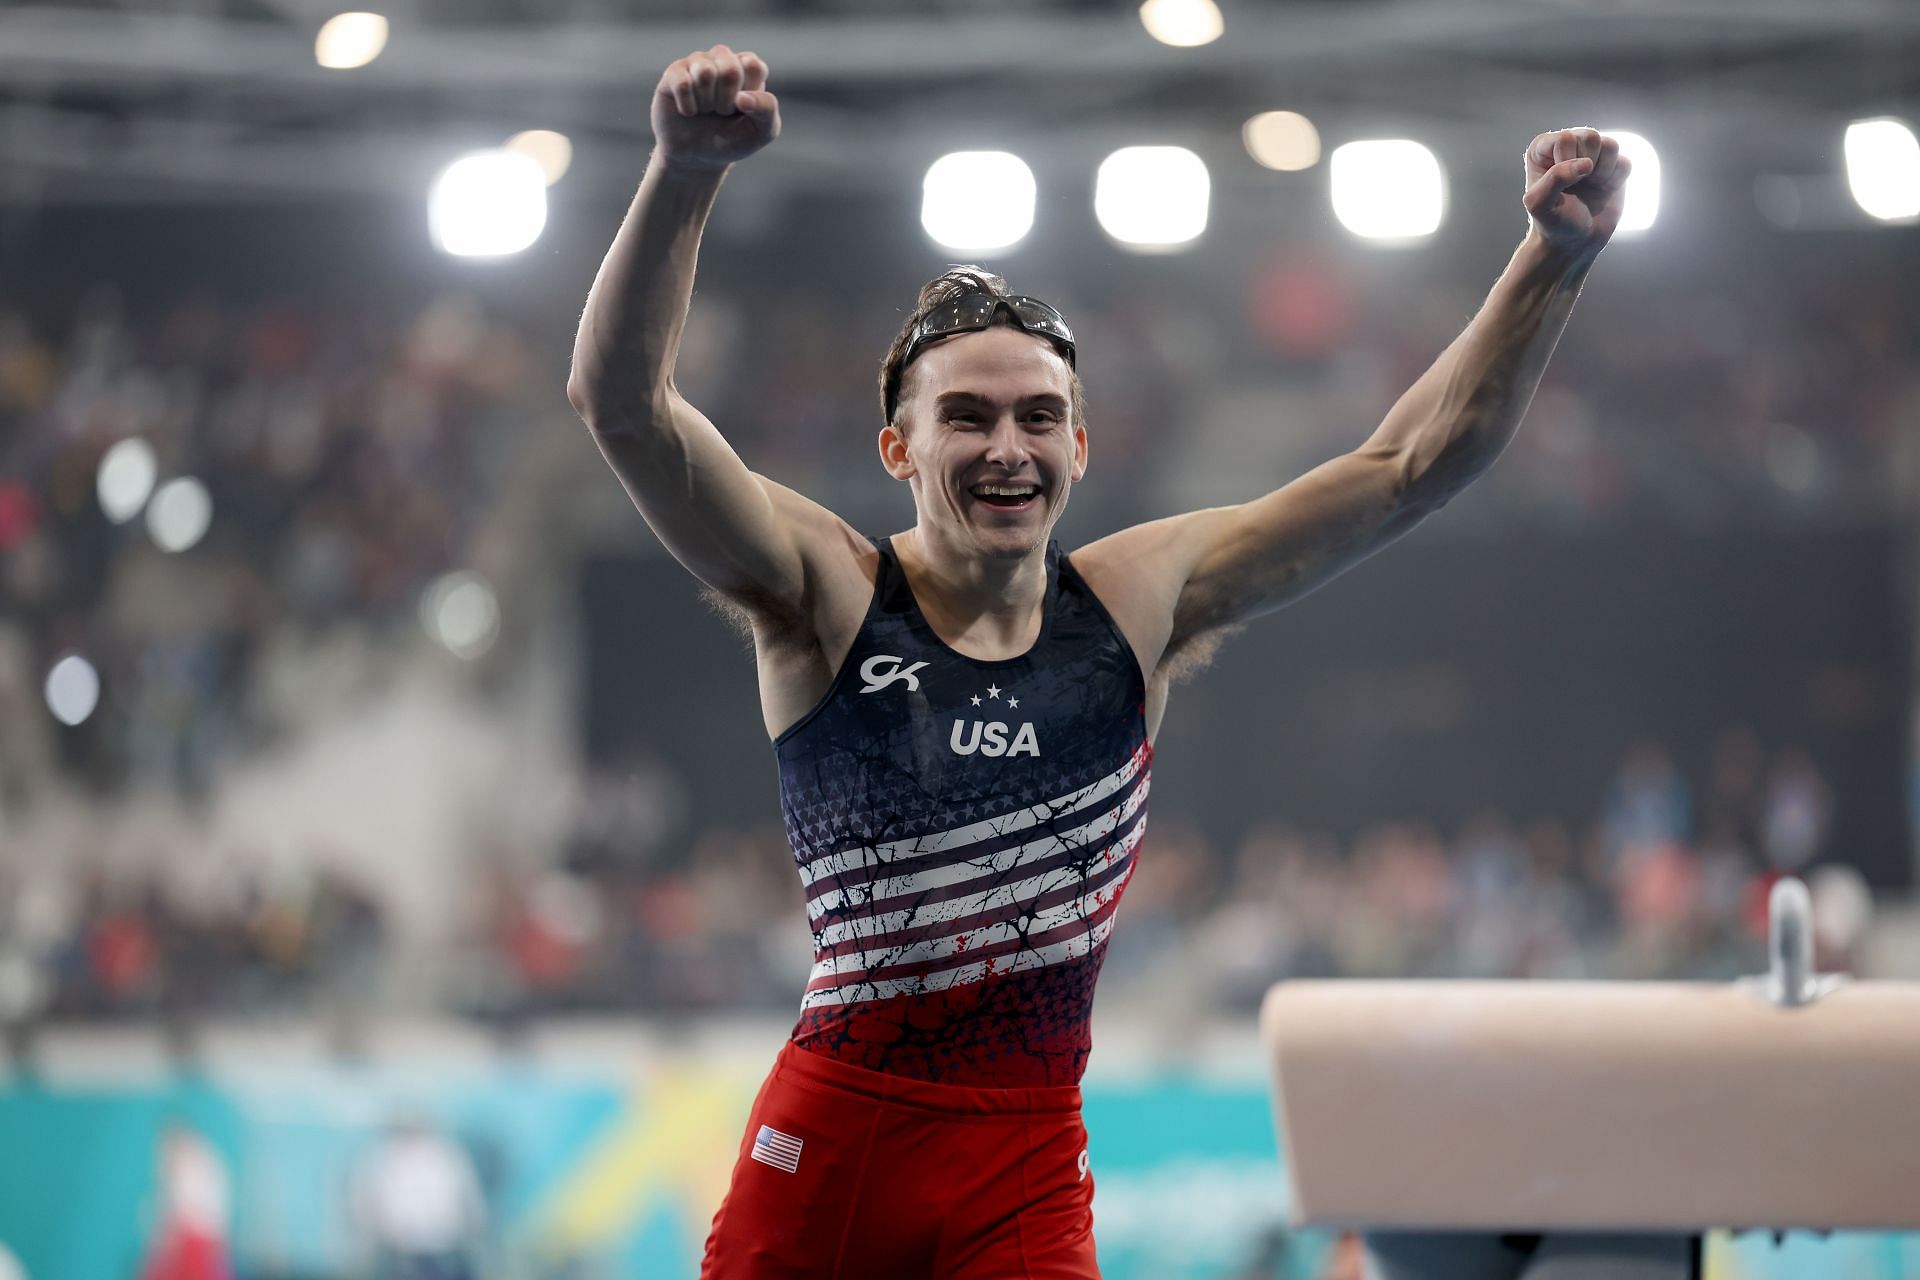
{"x": 1606, "y": 1106}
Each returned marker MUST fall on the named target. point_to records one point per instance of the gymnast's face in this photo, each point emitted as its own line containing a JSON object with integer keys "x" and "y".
{"x": 982, "y": 411}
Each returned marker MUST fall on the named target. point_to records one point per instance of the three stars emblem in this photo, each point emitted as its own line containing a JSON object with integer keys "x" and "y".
{"x": 994, "y": 691}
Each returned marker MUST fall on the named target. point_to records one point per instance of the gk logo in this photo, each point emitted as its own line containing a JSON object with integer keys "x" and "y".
{"x": 883, "y": 669}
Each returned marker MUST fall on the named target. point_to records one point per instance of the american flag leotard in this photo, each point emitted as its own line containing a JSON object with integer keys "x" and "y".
{"x": 964, "y": 831}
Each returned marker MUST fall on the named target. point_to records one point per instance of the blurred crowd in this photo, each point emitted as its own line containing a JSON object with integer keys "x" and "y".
{"x": 354, "y": 457}
{"x": 349, "y": 460}
{"x": 1667, "y": 878}
{"x": 154, "y": 943}
{"x": 1764, "y": 398}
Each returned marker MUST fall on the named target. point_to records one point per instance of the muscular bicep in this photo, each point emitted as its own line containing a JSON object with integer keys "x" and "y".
{"x": 1177, "y": 586}
{"x": 734, "y": 530}
{"x": 1251, "y": 559}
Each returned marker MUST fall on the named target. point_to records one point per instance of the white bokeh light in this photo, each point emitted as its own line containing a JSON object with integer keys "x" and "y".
{"x": 1282, "y": 140}
{"x": 1387, "y": 189}
{"x": 1883, "y": 168}
{"x": 461, "y": 611}
{"x": 552, "y": 151}
{"x": 1152, "y": 198}
{"x": 73, "y": 689}
{"x": 350, "y": 40}
{"x": 1183, "y": 23}
{"x": 1643, "y": 184}
{"x": 488, "y": 204}
{"x": 975, "y": 200}
{"x": 125, "y": 479}
{"x": 179, "y": 514}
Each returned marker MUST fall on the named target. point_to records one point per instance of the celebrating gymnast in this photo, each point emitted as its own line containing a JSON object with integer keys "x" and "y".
{"x": 963, "y": 715}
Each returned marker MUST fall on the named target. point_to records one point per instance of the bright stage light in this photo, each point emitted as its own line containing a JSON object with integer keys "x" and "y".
{"x": 1643, "y": 184}
{"x": 72, "y": 690}
{"x": 179, "y": 514}
{"x": 1182, "y": 23}
{"x": 1387, "y": 189}
{"x": 1883, "y": 168}
{"x": 1152, "y": 198}
{"x": 350, "y": 40}
{"x": 125, "y": 479}
{"x": 1283, "y": 140}
{"x": 977, "y": 200}
{"x": 488, "y": 204}
{"x": 553, "y": 152}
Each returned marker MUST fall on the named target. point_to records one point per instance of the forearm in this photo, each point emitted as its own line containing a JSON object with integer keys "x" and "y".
{"x": 624, "y": 353}
{"x": 1461, "y": 414}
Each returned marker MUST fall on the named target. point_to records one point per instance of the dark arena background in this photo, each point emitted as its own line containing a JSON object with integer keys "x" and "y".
{"x": 391, "y": 861}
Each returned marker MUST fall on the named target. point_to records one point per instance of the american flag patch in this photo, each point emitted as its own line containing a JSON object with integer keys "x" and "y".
{"x": 781, "y": 1150}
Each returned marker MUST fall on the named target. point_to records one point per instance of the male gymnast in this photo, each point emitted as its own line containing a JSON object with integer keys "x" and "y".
{"x": 963, "y": 715}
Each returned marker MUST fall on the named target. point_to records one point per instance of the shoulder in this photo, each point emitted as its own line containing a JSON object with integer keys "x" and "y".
{"x": 1140, "y": 573}
{"x": 840, "y": 567}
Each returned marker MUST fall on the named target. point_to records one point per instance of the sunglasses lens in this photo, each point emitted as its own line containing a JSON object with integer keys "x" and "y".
{"x": 1036, "y": 316}
{"x": 973, "y": 311}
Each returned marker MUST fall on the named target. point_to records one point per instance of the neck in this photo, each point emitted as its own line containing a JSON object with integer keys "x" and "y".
{"x": 990, "y": 599}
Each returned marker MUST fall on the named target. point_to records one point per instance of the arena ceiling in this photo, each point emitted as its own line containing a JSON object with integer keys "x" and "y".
{"x": 132, "y": 102}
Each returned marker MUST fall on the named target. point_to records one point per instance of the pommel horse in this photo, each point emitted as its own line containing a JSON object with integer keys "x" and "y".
{"x": 1596, "y": 1110}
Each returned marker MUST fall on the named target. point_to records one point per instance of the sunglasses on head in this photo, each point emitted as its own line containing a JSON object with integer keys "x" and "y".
{"x": 974, "y": 311}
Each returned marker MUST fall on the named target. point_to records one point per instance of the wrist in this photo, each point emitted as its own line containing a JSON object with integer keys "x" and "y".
{"x": 1540, "y": 256}
{"x": 684, "y": 172}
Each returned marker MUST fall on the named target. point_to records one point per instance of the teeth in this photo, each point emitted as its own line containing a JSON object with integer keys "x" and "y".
{"x": 1002, "y": 491}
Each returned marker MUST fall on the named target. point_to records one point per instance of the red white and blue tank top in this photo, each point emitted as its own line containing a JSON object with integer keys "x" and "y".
{"x": 964, "y": 830}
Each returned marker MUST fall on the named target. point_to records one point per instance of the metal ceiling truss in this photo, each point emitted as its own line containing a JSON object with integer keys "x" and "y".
{"x": 126, "y": 103}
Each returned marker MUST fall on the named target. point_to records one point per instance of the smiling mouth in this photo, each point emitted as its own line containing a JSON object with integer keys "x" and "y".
{"x": 1006, "y": 497}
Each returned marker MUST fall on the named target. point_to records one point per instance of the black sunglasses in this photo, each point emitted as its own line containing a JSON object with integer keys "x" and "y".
{"x": 974, "y": 311}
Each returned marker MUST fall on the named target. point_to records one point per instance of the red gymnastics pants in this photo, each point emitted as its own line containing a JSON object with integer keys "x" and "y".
{"x": 850, "y": 1174}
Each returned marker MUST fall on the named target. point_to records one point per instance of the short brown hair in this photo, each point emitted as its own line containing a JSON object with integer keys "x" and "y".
{"x": 954, "y": 282}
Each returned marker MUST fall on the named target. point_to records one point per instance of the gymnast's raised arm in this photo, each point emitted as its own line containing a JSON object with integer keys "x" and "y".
{"x": 1216, "y": 568}
{"x": 738, "y": 532}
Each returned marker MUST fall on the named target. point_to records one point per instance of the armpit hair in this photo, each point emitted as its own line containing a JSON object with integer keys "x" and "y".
{"x": 747, "y": 617}
{"x": 735, "y": 615}
{"x": 1193, "y": 655}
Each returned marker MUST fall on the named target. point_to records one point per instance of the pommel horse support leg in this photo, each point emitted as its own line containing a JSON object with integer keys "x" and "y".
{"x": 1548, "y": 1112}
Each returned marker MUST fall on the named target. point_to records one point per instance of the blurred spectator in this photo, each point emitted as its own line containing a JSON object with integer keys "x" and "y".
{"x": 1490, "y": 875}
{"x": 1647, "y": 802}
{"x": 1798, "y": 809}
{"x": 417, "y": 1205}
{"x": 1842, "y": 913}
{"x": 1173, "y": 882}
{"x": 190, "y": 1231}
{"x": 1731, "y": 809}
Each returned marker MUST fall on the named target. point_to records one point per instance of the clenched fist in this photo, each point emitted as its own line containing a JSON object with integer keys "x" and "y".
{"x": 711, "y": 109}
{"x": 1576, "y": 188}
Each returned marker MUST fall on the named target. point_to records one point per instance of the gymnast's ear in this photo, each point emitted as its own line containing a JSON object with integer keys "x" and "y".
{"x": 893, "y": 452}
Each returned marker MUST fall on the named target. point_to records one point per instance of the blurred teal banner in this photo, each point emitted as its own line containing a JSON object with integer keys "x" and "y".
{"x": 590, "y": 1174}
